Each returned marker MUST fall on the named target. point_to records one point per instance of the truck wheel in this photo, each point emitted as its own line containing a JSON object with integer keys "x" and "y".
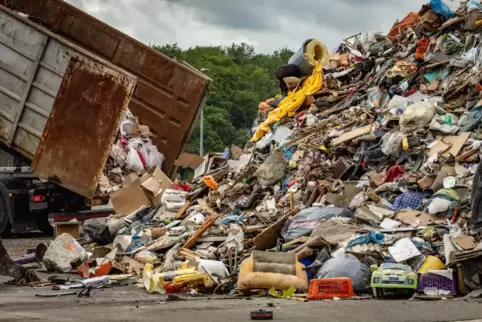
{"x": 42, "y": 222}
{"x": 5, "y": 226}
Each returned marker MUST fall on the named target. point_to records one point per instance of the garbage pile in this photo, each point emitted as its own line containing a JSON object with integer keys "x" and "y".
{"x": 362, "y": 173}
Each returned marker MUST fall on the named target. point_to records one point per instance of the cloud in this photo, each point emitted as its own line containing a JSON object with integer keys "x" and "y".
{"x": 266, "y": 24}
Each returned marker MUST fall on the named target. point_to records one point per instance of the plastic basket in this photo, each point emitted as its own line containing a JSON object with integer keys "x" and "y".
{"x": 329, "y": 288}
{"x": 438, "y": 282}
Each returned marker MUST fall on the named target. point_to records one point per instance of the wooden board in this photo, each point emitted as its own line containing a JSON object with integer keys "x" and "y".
{"x": 180, "y": 213}
{"x": 268, "y": 237}
{"x": 208, "y": 223}
{"x": 457, "y": 143}
{"x": 353, "y": 134}
{"x": 439, "y": 148}
{"x": 300, "y": 240}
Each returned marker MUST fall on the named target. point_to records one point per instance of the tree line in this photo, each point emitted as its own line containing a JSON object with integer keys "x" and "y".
{"x": 241, "y": 78}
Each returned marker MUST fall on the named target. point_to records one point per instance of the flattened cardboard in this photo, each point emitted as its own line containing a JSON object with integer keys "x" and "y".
{"x": 202, "y": 168}
{"x": 456, "y": 142}
{"x": 144, "y": 191}
{"x": 155, "y": 182}
{"x": 130, "y": 198}
{"x": 236, "y": 152}
{"x": 188, "y": 160}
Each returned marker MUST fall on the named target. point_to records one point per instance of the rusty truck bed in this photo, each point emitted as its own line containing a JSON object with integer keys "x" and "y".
{"x": 169, "y": 94}
{"x": 60, "y": 105}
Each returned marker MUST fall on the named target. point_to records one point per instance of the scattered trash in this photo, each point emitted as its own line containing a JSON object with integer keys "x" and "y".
{"x": 360, "y": 175}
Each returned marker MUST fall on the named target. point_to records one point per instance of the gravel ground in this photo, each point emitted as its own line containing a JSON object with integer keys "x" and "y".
{"x": 18, "y": 245}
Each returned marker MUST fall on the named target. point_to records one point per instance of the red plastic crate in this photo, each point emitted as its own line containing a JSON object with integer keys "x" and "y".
{"x": 329, "y": 288}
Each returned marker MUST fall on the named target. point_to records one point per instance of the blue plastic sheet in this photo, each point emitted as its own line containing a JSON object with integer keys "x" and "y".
{"x": 439, "y": 7}
{"x": 373, "y": 237}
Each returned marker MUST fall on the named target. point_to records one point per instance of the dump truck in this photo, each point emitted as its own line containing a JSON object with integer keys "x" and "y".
{"x": 61, "y": 103}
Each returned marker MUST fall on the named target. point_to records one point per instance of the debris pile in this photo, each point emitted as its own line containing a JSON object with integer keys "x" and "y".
{"x": 367, "y": 160}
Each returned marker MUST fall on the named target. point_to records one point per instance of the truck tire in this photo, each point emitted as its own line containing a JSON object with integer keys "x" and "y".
{"x": 5, "y": 226}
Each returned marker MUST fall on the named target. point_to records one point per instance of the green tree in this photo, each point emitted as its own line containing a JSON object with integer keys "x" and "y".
{"x": 241, "y": 79}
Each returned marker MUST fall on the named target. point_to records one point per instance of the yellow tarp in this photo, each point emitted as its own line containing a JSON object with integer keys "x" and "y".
{"x": 294, "y": 100}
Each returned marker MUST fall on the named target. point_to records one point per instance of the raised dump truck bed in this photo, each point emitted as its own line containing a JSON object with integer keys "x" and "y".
{"x": 169, "y": 94}
{"x": 60, "y": 106}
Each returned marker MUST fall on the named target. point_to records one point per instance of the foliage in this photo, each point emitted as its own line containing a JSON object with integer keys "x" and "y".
{"x": 241, "y": 79}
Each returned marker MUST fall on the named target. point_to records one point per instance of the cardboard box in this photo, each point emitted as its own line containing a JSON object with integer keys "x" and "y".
{"x": 137, "y": 192}
{"x": 155, "y": 182}
{"x": 71, "y": 228}
{"x": 195, "y": 162}
{"x": 188, "y": 160}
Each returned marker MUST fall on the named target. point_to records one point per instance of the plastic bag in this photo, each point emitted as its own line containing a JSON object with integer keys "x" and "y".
{"x": 439, "y": 7}
{"x": 470, "y": 56}
{"x": 350, "y": 267}
{"x": 474, "y": 4}
{"x": 133, "y": 161}
{"x": 307, "y": 219}
{"x": 392, "y": 143}
{"x": 444, "y": 123}
{"x": 417, "y": 116}
{"x": 154, "y": 157}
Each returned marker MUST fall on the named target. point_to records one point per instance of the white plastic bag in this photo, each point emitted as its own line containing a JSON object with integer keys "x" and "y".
{"x": 154, "y": 157}
{"x": 133, "y": 161}
{"x": 470, "y": 55}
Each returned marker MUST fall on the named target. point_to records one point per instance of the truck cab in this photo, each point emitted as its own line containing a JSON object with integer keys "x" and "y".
{"x": 27, "y": 200}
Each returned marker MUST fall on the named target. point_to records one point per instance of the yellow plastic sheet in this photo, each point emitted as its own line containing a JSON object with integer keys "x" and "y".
{"x": 294, "y": 100}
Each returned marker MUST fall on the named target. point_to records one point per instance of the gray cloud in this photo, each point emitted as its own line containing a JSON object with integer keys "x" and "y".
{"x": 266, "y": 24}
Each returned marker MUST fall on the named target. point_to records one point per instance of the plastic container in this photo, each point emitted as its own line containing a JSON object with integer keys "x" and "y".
{"x": 210, "y": 182}
{"x": 431, "y": 263}
{"x": 328, "y": 288}
{"x": 429, "y": 280}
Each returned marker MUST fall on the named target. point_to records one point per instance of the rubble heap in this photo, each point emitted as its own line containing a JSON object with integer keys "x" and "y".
{"x": 367, "y": 160}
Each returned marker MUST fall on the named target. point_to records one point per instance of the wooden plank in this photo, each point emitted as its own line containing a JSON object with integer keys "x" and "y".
{"x": 457, "y": 143}
{"x": 353, "y": 134}
{"x": 300, "y": 240}
{"x": 208, "y": 223}
{"x": 466, "y": 155}
{"x": 212, "y": 239}
{"x": 255, "y": 228}
{"x": 180, "y": 213}
{"x": 268, "y": 237}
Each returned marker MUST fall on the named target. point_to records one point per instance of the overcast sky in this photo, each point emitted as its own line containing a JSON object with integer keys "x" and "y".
{"x": 266, "y": 24}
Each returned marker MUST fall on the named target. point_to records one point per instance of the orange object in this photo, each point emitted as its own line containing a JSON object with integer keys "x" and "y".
{"x": 265, "y": 104}
{"x": 210, "y": 182}
{"x": 329, "y": 288}
{"x": 207, "y": 223}
{"x": 478, "y": 87}
{"x": 86, "y": 271}
{"x": 422, "y": 47}
{"x": 344, "y": 60}
{"x": 410, "y": 20}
